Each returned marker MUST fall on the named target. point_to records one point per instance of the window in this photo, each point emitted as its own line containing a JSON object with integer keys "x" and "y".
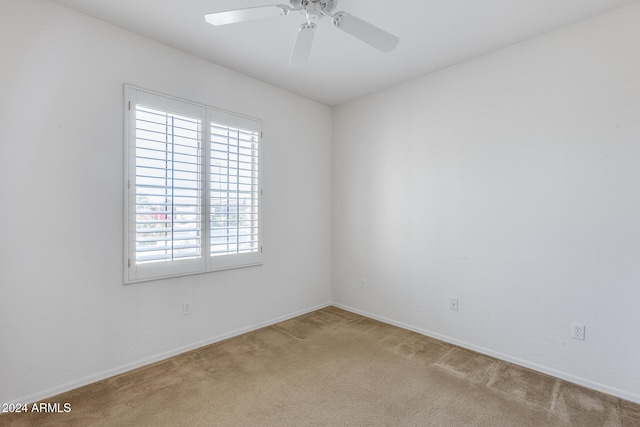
{"x": 193, "y": 188}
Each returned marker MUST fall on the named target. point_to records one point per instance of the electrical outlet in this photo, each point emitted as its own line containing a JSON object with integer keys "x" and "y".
{"x": 363, "y": 284}
{"x": 186, "y": 308}
{"x": 577, "y": 331}
{"x": 453, "y": 304}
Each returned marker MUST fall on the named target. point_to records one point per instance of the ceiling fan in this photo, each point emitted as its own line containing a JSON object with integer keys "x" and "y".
{"x": 313, "y": 10}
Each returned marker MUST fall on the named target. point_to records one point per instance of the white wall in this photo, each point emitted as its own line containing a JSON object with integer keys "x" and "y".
{"x": 65, "y": 317}
{"x": 511, "y": 182}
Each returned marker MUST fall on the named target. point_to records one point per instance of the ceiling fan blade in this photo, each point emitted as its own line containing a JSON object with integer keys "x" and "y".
{"x": 366, "y": 32}
{"x": 248, "y": 14}
{"x": 301, "y": 50}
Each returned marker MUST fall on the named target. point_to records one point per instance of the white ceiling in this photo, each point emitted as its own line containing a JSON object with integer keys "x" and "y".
{"x": 433, "y": 35}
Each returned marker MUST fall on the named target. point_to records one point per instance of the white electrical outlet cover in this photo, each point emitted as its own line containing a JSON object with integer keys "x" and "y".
{"x": 577, "y": 331}
{"x": 186, "y": 308}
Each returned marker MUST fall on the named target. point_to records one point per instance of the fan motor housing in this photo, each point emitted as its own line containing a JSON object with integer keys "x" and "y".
{"x": 315, "y": 6}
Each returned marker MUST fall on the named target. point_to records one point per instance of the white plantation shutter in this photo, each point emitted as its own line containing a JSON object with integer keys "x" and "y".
{"x": 193, "y": 197}
{"x": 234, "y": 190}
{"x": 168, "y": 186}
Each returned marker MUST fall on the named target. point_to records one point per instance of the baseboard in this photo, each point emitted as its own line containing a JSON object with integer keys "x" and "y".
{"x": 505, "y": 357}
{"x": 45, "y": 394}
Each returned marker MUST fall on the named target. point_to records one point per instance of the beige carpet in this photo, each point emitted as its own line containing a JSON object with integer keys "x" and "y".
{"x": 333, "y": 368}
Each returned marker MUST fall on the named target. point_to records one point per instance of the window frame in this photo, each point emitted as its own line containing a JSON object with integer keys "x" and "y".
{"x": 135, "y": 272}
